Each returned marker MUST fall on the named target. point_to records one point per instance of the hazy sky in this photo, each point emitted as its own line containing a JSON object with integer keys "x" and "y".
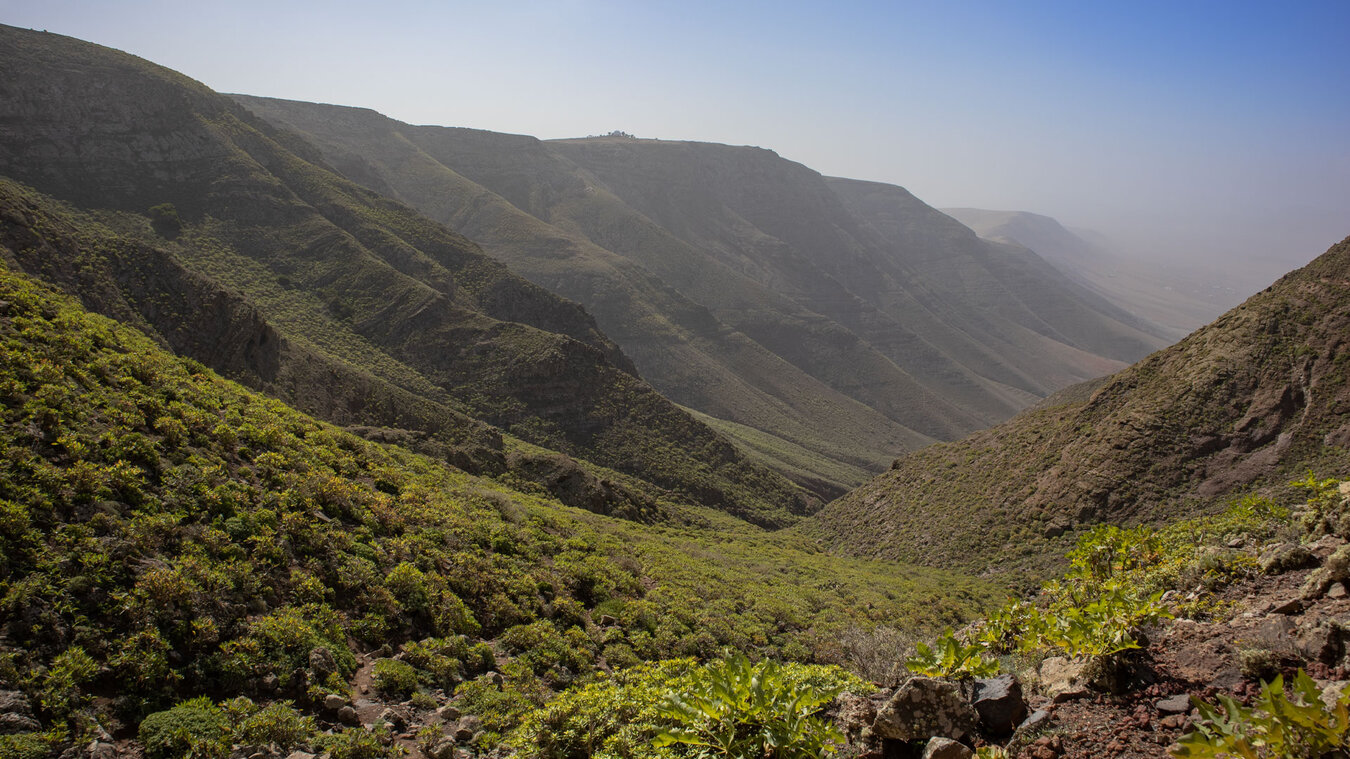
{"x": 1205, "y": 127}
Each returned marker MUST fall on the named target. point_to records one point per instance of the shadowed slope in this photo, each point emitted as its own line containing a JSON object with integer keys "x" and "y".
{"x": 361, "y": 279}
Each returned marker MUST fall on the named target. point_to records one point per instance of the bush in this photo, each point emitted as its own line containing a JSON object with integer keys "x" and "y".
{"x": 173, "y": 733}
{"x": 1275, "y": 726}
{"x": 278, "y": 723}
{"x": 394, "y": 678}
{"x": 741, "y": 710}
{"x": 950, "y": 657}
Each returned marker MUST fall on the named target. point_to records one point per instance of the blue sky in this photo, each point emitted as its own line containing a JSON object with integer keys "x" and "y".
{"x": 1198, "y": 128}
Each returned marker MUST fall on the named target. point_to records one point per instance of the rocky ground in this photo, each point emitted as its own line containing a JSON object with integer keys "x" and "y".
{"x": 1296, "y": 614}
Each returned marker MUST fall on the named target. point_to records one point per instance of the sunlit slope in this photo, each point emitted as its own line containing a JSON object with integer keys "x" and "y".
{"x": 1259, "y": 396}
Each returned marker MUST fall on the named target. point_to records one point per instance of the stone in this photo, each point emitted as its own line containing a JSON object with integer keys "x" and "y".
{"x": 14, "y": 722}
{"x": 946, "y": 748}
{"x": 322, "y": 662}
{"x": 1325, "y": 546}
{"x": 495, "y": 678}
{"x": 607, "y": 621}
{"x": 1178, "y": 704}
{"x": 348, "y": 716}
{"x": 1290, "y": 606}
{"x": 924, "y": 707}
{"x": 856, "y": 714}
{"x": 443, "y": 749}
{"x": 1063, "y": 679}
{"x": 1321, "y": 642}
{"x": 1335, "y": 569}
{"x": 394, "y": 718}
{"x": 1286, "y": 557}
{"x": 448, "y": 713}
{"x": 298, "y": 754}
{"x": 101, "y": 750}
{"x": 999, "y": 702}
{"x": 1337, "y": 591}
{"x": 1173, "y": 721}
{"x": 333, "y": 702}
{"x": 1331, "y": 692}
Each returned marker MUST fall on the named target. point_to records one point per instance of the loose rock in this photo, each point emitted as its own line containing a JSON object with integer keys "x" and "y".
{"x": 946, "y": 748}
{"x": 1178, "y": 704}
{"x": 922, "y": 708}
{"x": 1063, "y": 679}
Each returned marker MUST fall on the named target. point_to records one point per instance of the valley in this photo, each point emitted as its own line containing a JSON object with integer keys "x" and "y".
{"x": 328, "y": 435}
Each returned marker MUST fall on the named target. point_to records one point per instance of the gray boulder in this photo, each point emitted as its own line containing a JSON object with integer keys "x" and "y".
{"x": 1000, "y": 704}
{"x": 922, "y": 708}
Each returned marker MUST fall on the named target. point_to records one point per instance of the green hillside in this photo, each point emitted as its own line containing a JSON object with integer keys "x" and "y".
{"x": 1256, "y": 398}
{"x": 167, "y": 533}
{"x": 269, "y": 266}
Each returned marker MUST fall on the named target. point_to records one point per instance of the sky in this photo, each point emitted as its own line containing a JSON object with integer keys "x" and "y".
{"x": 1215, "y": 132}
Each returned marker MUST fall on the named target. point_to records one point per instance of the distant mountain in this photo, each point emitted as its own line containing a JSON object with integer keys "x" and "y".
{"x": 1176, "y": 297}
{"x": 1262, "y": 395}
{"x": 744, "y": 287}
{"x": 231, "y": 241}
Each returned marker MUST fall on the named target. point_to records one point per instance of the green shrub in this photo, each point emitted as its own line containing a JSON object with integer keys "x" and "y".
{"x": 950, "y": 657}
{"x": 394, "y": 678}
{"x": 358, "y": 743}
{"x": 173, "y": 733}
{"x": 739, "y": 710}
{"x": 278, "y": 722}
{"x": 32, "y": 745}
{"x": 1274, "y": 727}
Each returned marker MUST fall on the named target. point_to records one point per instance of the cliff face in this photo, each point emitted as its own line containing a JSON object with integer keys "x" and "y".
{"x": 1259, "y": 396}
{"x": 261, "y": 231}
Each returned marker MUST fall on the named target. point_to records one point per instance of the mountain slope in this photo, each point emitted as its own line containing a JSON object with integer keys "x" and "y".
{"x": 730, "y": 274}
{"x": 349, "y": 275}
{"x": 1260, "y": 395}
{"x": 689, "y": 353}
{"x": 1165, "y": 293}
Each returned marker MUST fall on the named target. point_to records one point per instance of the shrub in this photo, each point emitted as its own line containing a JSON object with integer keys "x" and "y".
{"x": 173, "y": 733}
{"x": 950, "y": 657}
{"x": 361, "y": 744}
{"x": 278, "y": 723}
{"x": 739, "y": 710}
{"x": 395, "y": 678}
{"x": 1274, "y": 727}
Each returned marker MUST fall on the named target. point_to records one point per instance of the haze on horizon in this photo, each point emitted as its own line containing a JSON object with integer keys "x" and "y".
{"x": 1197, "y": 131}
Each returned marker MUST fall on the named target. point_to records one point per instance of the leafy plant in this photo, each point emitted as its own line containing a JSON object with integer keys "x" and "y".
{"x": 175, "y": 732}
{"x": 740, "y": 710}
{"x": 1106, "y": 626}
{"x": 394, "y": 678}
{"x": 950, "y": 657}
{"x": 1274, "y": 727}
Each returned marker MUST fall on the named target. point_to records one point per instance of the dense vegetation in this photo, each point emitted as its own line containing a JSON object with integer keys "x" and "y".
{"x": 167, "y": 534}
